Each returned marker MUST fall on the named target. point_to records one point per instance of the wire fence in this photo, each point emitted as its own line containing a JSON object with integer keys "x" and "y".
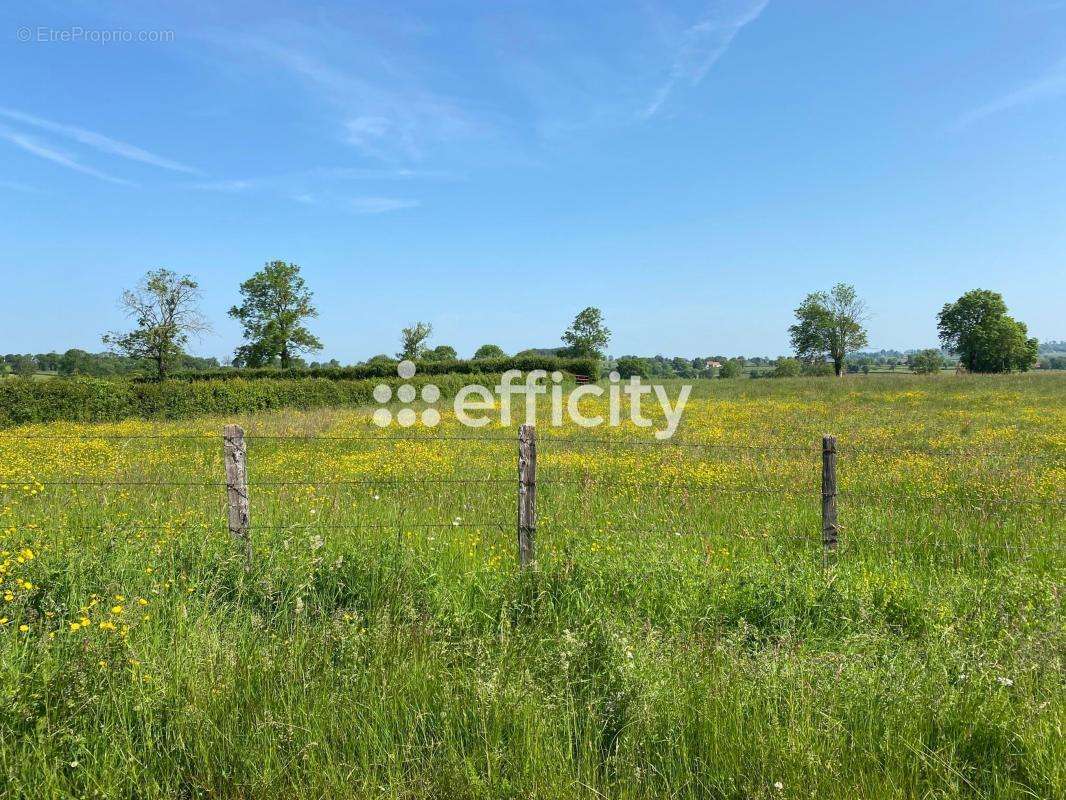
{"x": 564, "y": 497}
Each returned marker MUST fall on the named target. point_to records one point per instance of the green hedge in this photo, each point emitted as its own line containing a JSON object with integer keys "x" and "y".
{"x": 84, "y": 399}
{"x": 481, "y": 366}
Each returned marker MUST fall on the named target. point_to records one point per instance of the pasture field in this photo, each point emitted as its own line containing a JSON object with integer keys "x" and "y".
{"x": 679, "y": 636}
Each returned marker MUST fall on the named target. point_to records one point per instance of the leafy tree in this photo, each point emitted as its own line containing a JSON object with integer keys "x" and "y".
{"x": 48, "y": 362}
{"x": 631, "y": 366}
{"x": 490, "y": 351}
{"x": 730, "y": 368}
{"x": 442, "y": 352}
{"x": 927, "y": 362}
{"x": 275, "y": 303}
{"x": 413, "y": 340}
{"x": 817, "y": 369}
{"x": 976, "y": 328}
{"x": 587, "y": 335}
{"x": 164, "y": 307}
{"x": 787, "y": 368}
{"x": 829, "y": 324}
{"x": 24, "y": 366}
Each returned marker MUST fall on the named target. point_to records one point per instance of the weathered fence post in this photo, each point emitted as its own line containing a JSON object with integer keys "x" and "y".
{"x": 236, "y": 459}
{"x": 829, "y": 493}
{"x": 527, "y": 493}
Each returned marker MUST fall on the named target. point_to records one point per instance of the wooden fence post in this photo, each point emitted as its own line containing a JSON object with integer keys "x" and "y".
{"x": 236, "y": 459}
{"x": 527, "y": 493}
{"x": 829, "y": 493}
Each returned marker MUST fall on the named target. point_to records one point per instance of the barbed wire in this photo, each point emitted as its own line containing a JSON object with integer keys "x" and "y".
{"x": 843, "y": 448}
{"x": 311, "y": 526}
{"x": 924, "y": 546}
{"x": 584, "y": 482}
{"x": 946, "y": 499}
{"x": 676, "y": 443}
{"x": 647, "y": 526}
{"x": 303, "y": 482}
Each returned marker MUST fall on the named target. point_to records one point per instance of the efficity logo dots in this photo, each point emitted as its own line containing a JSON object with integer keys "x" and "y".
{"x": 406, "y": 417}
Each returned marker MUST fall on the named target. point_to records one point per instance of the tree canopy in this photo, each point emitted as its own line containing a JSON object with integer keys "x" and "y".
{"x": 164, "y": 307}
{"x": 926, "y": 362}
{"x": 275, "y": 303}
{"x": 587, "y": 335}
{"x": 631, "y": 367}
{"x": 829, "y": 325}
{"x": 731, "y": 368}
{"x": 413, "y": 341}
{"x": 442, "y": 352}
{"x": 977, "y": 329}
{"x": 490, "y": 351}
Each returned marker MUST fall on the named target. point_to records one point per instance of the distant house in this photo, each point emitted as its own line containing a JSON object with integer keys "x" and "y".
{"x": 712, "y": 364}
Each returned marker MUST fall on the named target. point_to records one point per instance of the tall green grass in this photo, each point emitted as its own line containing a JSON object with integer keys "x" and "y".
{"x": 671, "y": 642}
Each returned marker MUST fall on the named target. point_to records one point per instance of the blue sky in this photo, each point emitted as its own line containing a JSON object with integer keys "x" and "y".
{"x": 692, "y": 168}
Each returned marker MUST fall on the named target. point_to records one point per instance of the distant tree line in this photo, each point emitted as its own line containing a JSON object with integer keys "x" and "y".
{"x": 97, "y": 365}
{"x": 276, "y": 305}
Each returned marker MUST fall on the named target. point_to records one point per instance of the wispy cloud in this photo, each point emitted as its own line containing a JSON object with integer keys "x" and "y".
{"x": 383, "y": 112}
{"x": 380, "y": 205}
{"x": 1050, "y": 85}
{"x": 297, "y": 183}
{"x": 97, "y": 141}
{"x": 291, "y": 187}
{"x": 16, "y": 186}
{"x": 324, "y": 187}
{"x": 703, "y": 44}
{"x": 237, "y": 185}
{"x": 31, "y": 145}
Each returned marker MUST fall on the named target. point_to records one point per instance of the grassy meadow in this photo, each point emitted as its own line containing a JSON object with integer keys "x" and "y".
{"x": 679, "y": 636}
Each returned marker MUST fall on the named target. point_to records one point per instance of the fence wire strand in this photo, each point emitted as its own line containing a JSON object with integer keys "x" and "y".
{"x": 549, "y": 445}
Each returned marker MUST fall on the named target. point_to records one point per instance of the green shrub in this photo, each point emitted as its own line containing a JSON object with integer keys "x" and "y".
{"x": 631, "y": 366}
{"x": 387, "y": 369}
{"x": 819, "y": 369}
{"x": 85, "y": 399}
{"x": 731, "y": 368}
{"x": 927, "y": 362}
{"x": 787, "y": 368}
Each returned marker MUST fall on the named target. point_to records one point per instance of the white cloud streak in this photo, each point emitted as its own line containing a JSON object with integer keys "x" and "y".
{"x": 380, "y": 205}
{"x": 702, "y": 45}
{"x": 31, "y": 145}
{"x": 298, "y": 183}
{"x": 15, "y": 186}
{"x": 1048, "y": 86}
{"x": 97, "y": 141}
{"x": 285, "y": 186}
{"x": 390, "y": 118}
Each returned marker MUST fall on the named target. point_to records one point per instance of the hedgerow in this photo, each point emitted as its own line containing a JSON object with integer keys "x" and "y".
{"x": 85, "y": 399}
{"x": 385, "y": 369}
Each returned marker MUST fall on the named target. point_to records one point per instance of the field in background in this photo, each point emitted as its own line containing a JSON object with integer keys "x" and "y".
{"x": 678, "y": 637}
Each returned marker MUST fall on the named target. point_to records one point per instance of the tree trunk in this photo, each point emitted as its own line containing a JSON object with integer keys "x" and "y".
{"x": 838, "y": 366}
{"x": 285, "y": 357}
